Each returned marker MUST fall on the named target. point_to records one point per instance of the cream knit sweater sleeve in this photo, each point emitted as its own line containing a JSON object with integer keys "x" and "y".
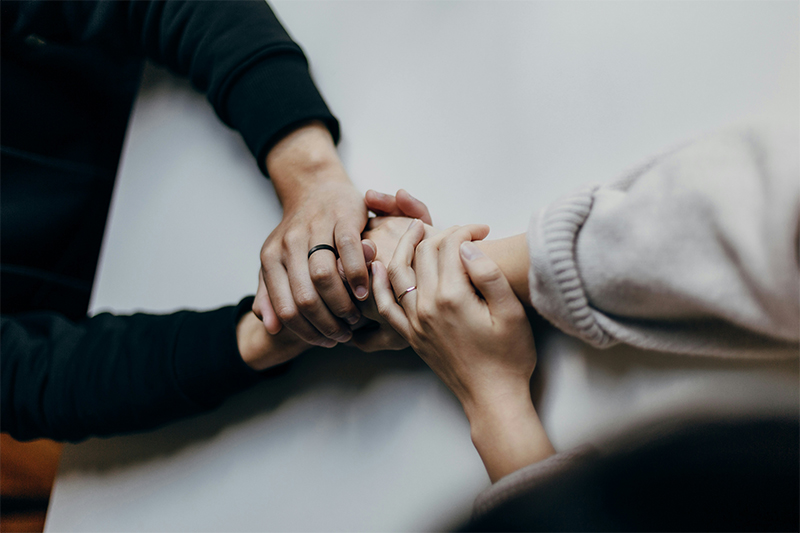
{"x": 695, "y": 251}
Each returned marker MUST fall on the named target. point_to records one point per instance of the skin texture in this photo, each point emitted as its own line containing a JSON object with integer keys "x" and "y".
{"x": 479, "y": 343}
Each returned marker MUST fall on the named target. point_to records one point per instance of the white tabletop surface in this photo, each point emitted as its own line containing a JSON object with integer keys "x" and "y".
{"x": 487, "y": 111}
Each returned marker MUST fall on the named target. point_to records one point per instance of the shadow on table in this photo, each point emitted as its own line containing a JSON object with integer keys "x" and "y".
{"x": 348, "y": 369}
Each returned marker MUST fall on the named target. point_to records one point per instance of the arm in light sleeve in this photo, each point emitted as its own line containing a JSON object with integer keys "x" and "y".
{"x": 695, "y": 251}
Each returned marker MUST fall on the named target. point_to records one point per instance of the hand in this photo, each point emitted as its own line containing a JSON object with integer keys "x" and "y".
{"x": 480, "y": 345}
{"x": 382, "y": 234}
{"x": 321, "y": 206}
{"x": 261, "y": 350}
{"x": 376, "y": 334}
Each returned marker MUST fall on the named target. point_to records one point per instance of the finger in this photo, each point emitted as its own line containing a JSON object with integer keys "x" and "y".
{"x": 426, "y": 264}
{"x": 308, "y": 300}
{"x": 400, "y": 272}
{"x": 328, "y": 284}
{"x": 262, "y": 307}
{"x": 370, "y": 250}
{"x": 381, "y": 204}
{"x": 489, "y": 280}
{"x": 404, "y": 252}
{"x": 451, "y": 271}
{"x": 387, "y": 306}
{"x": 411, "y": 207}
{"x": 351, "y": 252}
{"x": 283, "y": 303}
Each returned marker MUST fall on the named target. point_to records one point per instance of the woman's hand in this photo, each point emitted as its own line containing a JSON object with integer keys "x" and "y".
{"x": 374, "y": 333}
{"x": 479, "y": 343}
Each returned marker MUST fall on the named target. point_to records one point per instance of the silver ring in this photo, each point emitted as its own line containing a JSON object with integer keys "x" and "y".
{"x": 412, "y": 288}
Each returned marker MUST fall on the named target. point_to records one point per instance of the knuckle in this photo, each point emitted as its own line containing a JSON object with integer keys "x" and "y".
{"x": 447, "y": 299}
{"x": 347, "y": 240}
{"x": 286, "y": 313}
{"x": 306, "y": 300}
{"x": 293, "y": 238}
{"x": 425, "y": 311}
{"x": 342, "y": 307}
{"x": 321, "y": 274}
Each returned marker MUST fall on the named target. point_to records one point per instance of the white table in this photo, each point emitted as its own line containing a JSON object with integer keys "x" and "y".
{"x": 485, "y": 110}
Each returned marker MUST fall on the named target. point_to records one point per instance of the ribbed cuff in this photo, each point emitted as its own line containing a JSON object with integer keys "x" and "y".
{"x": 525, "y": 479}
{"x": 556, "y": 287}
{"x": 272, "y": 98}
{"x": 207, "y": 362}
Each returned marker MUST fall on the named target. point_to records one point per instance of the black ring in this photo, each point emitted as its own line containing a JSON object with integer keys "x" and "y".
{"x": 323, "y": 247}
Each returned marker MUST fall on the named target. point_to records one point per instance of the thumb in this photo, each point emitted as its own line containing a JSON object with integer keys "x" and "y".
{"x": 487, "y": 277}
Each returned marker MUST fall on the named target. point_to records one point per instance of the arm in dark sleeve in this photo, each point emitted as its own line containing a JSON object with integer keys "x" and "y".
{"x": 237, "y": 52}
{"x": 116, "y": 374}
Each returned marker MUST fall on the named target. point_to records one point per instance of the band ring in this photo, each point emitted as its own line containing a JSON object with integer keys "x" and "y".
{"x": 412, "y": 288}
{"x": 319, "y": 247}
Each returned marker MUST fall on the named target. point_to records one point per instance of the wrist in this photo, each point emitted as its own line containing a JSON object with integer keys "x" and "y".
{"x": 303, "y": 159}
{"x": 508, "y": 435}
{"x": 511, "y": 256}
{"x": 500, "y": 404}
{"x": 260, "y": 350}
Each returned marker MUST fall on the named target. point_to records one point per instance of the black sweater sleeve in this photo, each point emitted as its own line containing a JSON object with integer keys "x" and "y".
{"x": 237, "y": 52}
{"x": 116, "y": 374}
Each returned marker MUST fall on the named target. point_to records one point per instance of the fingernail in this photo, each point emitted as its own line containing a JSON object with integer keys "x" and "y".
{"x": 470, "y": 252}
{"x": 380, "y": 195}
{"x": 328, "y": 343}
{"x": 409, "y": 195}
{"x": 352, "y": 319}
{"x": 361, "y": 292}
{"x": 413, "y": 222}
{"x": 344, "y": 337}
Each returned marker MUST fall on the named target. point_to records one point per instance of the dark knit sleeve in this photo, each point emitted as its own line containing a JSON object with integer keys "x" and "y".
{"x": 116, "y": 374}
{"x": 237, "y": 52}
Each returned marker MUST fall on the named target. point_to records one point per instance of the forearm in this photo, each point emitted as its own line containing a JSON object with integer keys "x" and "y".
{"x": 507, "y": 433}
{"x": 116, "y": 374}
{"x": 511, "y": 255}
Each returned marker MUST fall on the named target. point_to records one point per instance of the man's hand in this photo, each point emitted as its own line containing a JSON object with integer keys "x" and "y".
{"x": 321, "y": 206}
{"x": 400, "y": 205}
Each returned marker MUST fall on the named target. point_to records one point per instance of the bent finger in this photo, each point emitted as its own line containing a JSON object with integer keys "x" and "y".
{"x": 385, "y": 301}
{"x": 309, "y": 302}
{"x": 351, "y": 252}
{"x": 262, "y": 307}
{"x": 324, "y": 273}
{"x": 412, "y": 207}
{"x": 283, "y": 303}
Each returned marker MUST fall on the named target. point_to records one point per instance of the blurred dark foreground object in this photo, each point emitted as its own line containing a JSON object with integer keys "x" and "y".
{"x": 725, "y": 475}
